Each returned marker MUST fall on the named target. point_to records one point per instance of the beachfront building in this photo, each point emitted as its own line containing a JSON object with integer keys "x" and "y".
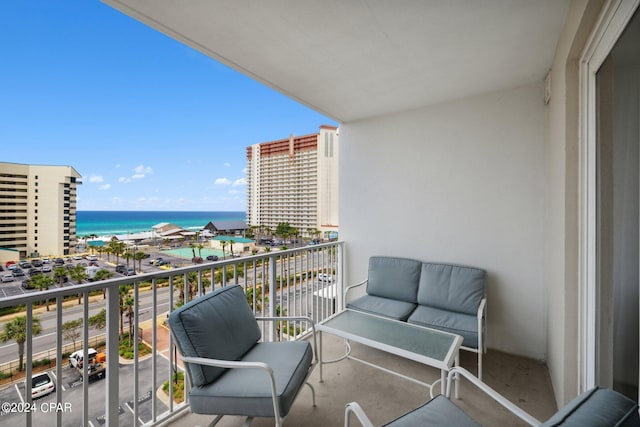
{"x": 37, "y": 210}
{"x": 230, "y": 227}
{"x": 295, "y": 180}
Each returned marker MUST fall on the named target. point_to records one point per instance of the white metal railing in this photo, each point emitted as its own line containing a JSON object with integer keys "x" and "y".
{"x": 297, "y": 282}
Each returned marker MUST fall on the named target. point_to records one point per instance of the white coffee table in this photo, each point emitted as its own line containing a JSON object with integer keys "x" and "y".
{"x": 424, "y": 345}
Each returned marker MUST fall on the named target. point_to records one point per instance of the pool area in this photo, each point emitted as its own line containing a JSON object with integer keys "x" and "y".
{"x": 187, "y": 253}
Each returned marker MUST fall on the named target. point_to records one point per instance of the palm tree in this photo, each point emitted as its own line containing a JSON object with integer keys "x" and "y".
{"x": 123, "y": 293}
{"x": 129, "y": 303}
{"x": 79, "y": 274}
{"x": 127, "y": 255}
{"x": 16, "y": 329}
{"x": 103, "y": 274}
{"x": 139, "y": 256}
{"x": 223, "y": 243}
{"x": 42, "y": 282}
{"x": 59, "y": 274}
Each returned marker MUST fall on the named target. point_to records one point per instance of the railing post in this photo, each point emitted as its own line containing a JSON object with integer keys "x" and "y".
{"x": 272, "y": 295}
{"x": 112, "y": 396}
{"x": 340, "y": 276}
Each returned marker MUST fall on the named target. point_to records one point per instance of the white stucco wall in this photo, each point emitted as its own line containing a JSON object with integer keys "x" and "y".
{"x": 461, "y": 182}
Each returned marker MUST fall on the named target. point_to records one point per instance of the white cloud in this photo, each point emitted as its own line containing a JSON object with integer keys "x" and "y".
{"x": 222, "y": 181}
{"x": 239, "y": 182}
{"x": 143, "y": 170}
{"x": 124, "y": 180}
{"x": 138, "y": 176}
{"x": 95, "y": 179}
{"x": 227, "y": 164}
{"x": 105, "y": 186}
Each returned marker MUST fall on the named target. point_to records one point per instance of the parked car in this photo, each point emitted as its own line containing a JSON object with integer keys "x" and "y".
{"x": 33, "y": 271}
{"x": 212, "y": 258}
{"x": 92, "y": 258}
{"x": 155, "y": 261}
{"x": 7, "y": 277}
{"x": 323, "y": 277}
{"x": 24, "y": 263}
{"x": 18, "y": 272}
{"x": 26, "y": 284}
{"x": 41, "y": 385}
{"x": 58, "y": 261}
{"x": 46, "y": 268}
{"x": 77, "y": 257}
{"x": 130, "y": 271}
{"x": 93, "y": 264}
{"x": 46, "y": 260}
{"x": 121, "y": 268}
{"x": 162, "y": 262}
{"x": 75, "y": 359}
{"x": 36, "y": 262}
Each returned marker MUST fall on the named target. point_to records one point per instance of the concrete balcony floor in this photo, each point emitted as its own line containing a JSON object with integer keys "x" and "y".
{"x": 384, "y": 396}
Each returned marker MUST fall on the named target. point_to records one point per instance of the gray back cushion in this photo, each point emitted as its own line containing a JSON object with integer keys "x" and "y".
{"x": 451, "y": 287}
{"x": 597, "y": 407}
{"x": 395, "y": 278}
{"x": 219, "y": 325}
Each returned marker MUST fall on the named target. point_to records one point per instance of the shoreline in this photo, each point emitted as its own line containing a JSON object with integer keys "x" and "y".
{"x": 106, "y": 224}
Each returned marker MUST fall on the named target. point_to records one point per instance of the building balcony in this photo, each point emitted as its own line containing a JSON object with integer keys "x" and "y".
{"x": 134, "y": 390}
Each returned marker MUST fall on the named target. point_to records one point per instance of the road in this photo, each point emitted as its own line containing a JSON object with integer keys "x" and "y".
{"x": 44, "y": 409}
{"x": 47, "y": 338}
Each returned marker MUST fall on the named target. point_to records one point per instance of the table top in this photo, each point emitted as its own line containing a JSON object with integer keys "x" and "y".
{"x": 425, "y": 345}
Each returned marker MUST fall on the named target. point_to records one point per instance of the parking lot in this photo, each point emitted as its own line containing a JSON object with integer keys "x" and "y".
{"x": 15, "y": 287}
{"x": 44, "y": 409}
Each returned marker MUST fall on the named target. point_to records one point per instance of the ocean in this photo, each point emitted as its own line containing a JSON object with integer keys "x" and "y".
{"x": 104, "y": 223}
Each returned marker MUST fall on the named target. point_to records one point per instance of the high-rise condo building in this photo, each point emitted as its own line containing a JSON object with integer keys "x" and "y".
{"x": 37, "y": 210}
{"x": 295, "y": 180}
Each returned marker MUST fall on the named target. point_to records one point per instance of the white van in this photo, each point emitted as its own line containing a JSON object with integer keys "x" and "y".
{"x": 75, "y": 360}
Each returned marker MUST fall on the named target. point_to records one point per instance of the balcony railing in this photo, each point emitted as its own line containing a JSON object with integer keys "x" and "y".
{"x": 297, "y": 282}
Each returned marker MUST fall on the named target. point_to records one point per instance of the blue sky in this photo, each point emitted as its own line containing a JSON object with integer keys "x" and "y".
{"x": 149, "y": 123}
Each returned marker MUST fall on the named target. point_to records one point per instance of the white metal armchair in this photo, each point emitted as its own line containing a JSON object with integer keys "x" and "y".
{"x": 597, "y": 407}
{"x": 230, "y": 371}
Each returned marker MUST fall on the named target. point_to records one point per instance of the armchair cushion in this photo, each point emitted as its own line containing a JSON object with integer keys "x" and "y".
{"x": 439, "y": 411}
{"x": 462, "y": 324}
{"x": 597, "y": 407}
{"x": 236, "y": 331}
{"x": 395, "y": 278}
{"x": 451, "y": 287}
{"x": 247, "y": 391}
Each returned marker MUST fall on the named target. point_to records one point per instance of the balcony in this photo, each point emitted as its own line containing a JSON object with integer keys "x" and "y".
{"x": 133, "y": 392}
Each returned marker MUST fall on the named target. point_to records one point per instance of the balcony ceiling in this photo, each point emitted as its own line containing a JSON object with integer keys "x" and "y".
{"x": 364, "y": 58}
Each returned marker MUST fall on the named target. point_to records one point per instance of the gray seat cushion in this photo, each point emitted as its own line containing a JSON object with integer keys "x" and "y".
{"x": 247, "y": 391}
{"x": 394, "y": 278}
{"x": 219, "y": 325}
{"x": 439, "y": 411}
{"x": 462, "y": 324}
{"x": 394, "y": 309}
{"x": 597, "y": 407}
{"x": 451, "y": 287}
